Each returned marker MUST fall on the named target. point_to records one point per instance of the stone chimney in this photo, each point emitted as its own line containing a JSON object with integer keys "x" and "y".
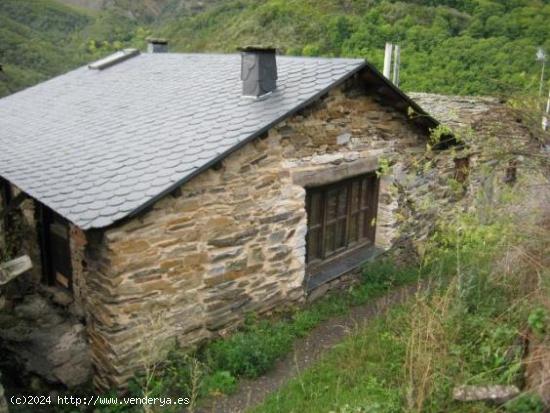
{"x": 156, "y": 45}
{"x": 258, "y": 70}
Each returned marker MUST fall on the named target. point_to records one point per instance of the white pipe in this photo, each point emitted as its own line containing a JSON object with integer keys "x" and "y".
{"x": 387, "y": 60}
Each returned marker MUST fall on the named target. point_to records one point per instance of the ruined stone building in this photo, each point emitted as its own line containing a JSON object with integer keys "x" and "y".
{"x": 197, "y": 188}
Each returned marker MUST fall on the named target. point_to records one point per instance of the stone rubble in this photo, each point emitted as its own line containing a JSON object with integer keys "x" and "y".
{"x": 46, "y": 342}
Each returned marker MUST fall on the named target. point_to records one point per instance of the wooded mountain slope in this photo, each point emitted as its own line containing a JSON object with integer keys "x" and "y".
{"x": 448, "y": 46}
{"x": 42, "y": 38}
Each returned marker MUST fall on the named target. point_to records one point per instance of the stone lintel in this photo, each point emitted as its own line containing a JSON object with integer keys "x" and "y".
{"x": 329, "y": 173}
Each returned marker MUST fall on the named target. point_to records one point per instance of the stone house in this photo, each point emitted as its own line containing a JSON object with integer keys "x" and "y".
{"x": 196, "y": 188}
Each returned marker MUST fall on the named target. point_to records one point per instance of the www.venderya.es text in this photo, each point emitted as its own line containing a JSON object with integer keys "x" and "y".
{"x": 98, "y": 401}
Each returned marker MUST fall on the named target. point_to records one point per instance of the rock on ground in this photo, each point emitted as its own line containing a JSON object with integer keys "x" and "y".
{"x": 491, "y": 393}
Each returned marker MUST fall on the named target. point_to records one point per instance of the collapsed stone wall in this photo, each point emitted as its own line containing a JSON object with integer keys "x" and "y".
{"x": 26, "y": 235}
{"x": 42, "y": 329}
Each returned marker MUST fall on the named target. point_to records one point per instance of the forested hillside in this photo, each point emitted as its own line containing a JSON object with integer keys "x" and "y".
{"x": 32, "y": 41}
{"x": 42, "y": 38}
{"x": 448, "y": 46}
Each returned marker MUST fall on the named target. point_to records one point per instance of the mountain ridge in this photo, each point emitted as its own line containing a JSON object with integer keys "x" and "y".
{"x": 448, "y": 46}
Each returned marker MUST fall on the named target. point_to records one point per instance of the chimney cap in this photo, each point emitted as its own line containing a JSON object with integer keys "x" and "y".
{"x": 257, "y": 49}
{"x": 157, "y": 40}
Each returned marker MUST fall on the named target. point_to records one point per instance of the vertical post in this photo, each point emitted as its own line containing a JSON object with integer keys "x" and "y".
{"x": 542, "y": 77}
{"x": 387, "y": 60}
{"x": 545, "y": 122}
{"x": 541, "y": 57}
{"x": 396, "y": 63}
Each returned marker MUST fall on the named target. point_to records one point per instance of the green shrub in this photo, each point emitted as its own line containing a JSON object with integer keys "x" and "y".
{"x": 538, "y": 321}
{"x": 383, "y": 274}
{"x": 220, "y": 381}
{"x": 525, "y": 403}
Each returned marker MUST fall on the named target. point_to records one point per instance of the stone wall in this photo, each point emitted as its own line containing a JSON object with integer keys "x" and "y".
{"x": 232, "y": 240}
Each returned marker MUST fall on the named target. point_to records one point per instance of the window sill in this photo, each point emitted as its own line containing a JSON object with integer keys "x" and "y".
{"x": 340, "y": 266}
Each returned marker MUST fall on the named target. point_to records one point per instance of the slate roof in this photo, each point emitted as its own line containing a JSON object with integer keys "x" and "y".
{"x": 97, "y": 146}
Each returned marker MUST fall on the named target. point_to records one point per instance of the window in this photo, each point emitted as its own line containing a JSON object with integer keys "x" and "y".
{"x": 341, "y": 218}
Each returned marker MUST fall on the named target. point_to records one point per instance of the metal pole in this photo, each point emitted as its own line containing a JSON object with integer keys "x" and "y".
{"x": 396, "y": 63}
{"x": 387, "y": 60}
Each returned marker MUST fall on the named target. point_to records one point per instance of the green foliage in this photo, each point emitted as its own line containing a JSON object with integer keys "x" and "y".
{"x": 358, "y": 375}
{"x": 251, "y": 352}
{"x": 219, "y": 382}
{"x": 384, "y": 167}
{"x": 439, "y": 134}
{"x": 470, "y": 47}
{"x": 473, "y": 47}
{"x": 538, "y": 321}
{"x": 465, "y": 330}
{"x": 43, "y": 38}
{"x": 525, "y": 403}
{"x": 383, "y": 275}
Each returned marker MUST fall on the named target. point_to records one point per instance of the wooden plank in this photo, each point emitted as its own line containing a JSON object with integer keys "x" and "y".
{"x": 14, "y": 268}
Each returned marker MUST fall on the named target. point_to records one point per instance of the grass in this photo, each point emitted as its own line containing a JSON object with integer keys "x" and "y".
{"x": 254, "y": 349}
{"x": 466, "y": 330}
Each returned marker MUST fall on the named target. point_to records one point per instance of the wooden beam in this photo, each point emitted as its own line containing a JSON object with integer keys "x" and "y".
{"x": 14, "y": 268}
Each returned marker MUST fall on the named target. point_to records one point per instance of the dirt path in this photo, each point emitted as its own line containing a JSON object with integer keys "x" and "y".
{"x": 306, "y": 351}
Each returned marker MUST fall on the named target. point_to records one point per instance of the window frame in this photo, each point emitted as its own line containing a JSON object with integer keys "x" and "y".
{"x": 366, "y": 227}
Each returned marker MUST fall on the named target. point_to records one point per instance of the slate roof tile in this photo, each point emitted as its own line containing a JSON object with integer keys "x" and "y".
{"x": 96, "y": 145}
